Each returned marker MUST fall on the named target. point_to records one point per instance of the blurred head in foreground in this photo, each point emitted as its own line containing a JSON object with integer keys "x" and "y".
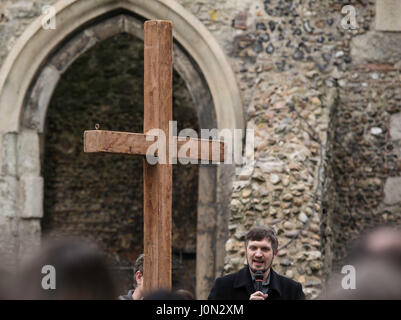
{"x": 69, "y": 268}
{"x": 375, "y": 260}
{"x": 163, "y": 294}
{"x": 186, "y": 294}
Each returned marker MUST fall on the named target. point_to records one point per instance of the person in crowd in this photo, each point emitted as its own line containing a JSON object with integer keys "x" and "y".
{"x": 372, "y": 269}
{"x": 186, "y": 295}
{"x": 67, "y": 269}
{"x": 257, "y": 280}
{"x": 163, "y": 294}
{"x": 137, "y": 292}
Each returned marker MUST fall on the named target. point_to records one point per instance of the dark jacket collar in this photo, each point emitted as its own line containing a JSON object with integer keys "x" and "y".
{"x": 274, "y": 282}
{"x": 244, "y": 279}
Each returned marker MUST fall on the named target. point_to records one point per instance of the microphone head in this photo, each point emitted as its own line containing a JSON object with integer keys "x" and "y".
{"x": 258, "y": 279}
{"x": 259, "y": 274}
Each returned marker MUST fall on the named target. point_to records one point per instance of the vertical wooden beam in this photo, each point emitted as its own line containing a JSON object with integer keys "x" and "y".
{"x": 158, "y": 64}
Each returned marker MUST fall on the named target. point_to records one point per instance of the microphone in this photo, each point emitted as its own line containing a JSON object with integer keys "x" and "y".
{"x": 259, "y": 274}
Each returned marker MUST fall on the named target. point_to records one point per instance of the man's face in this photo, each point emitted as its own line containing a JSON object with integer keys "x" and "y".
{"x": 260, "y": 254}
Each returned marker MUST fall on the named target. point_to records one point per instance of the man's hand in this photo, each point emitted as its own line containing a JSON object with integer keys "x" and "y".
{"x": 258, "y": 295}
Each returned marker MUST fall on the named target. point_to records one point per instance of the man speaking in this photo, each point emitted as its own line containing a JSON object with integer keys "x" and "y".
{"x": 257, "y": 280}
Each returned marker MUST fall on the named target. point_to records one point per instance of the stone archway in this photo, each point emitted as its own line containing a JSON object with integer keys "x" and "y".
{"x": 31, "y": 73}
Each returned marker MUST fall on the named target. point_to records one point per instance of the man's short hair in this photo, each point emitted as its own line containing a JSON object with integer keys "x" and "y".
{"x": 138, "y": 267}
{"x": 259, "y": 233}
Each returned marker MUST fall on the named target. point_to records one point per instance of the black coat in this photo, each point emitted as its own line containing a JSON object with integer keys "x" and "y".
{"x": 239, "y": 286}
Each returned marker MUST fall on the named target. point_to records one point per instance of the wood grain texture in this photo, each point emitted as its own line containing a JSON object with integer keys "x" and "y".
{"x": 138, "y": 144}
{"x": 115, "y": 142}
{"x": 158, "y": 111}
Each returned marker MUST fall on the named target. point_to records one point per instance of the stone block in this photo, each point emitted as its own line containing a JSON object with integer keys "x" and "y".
{"x": 245, "y": 172}
{"x": 8, "y": 196}
{"x": 392, "y": 190}
{"x": 206, "y": 219}
{"x": 374, "y": 46}
{"x": 132, "y": 26}
{"x": 109, "y": 28}
{"x": 8, "y": 244}
{"x": 395, "y": 126}
{"x": 224, "y": 183}
{"x": 388, "y": 14}
{"x": 75, "y": 48}
{"x": 271, "y": 166}
{"x": 31, "y": 197}
{"x": 35, "y": 114}
{"x": 28, "y": 153}
{"x": 8, "y": 154}
{"x": 207, "y": 180}
{"x": 29, "y": 234}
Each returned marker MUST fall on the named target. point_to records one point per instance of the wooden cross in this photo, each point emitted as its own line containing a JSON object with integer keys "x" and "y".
{"x": 158, "y": 65}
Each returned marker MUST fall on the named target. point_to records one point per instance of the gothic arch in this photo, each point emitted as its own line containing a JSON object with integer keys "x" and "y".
{"x": 36, "y": 63}
{"x": 36, "y": 44}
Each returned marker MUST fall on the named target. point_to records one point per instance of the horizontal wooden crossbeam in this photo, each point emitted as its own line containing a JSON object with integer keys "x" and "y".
{"x": 137, "y": 144}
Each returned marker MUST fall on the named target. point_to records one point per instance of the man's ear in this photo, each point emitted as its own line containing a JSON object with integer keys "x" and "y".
{"x": 275, "y": 252}
{"x": 138, "y": 277}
